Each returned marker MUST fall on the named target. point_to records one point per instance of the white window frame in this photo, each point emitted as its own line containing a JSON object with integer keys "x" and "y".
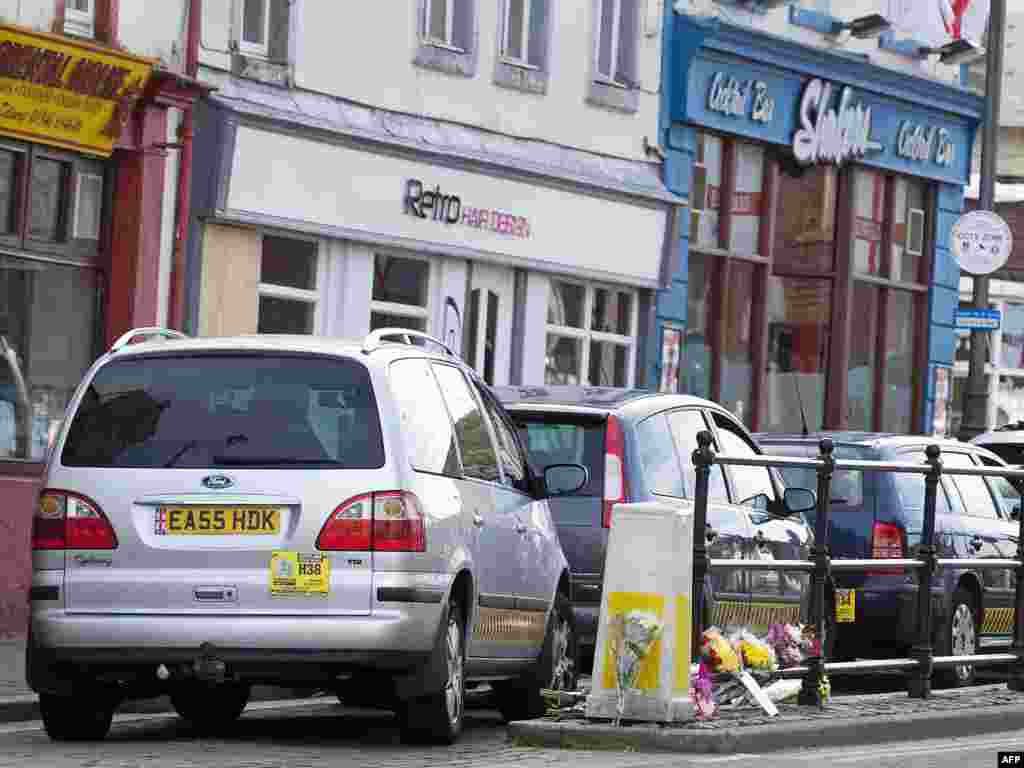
{"x": 523, "y": 60}
{"x": 315, "y": 296}
{"x": 413, "y": 311}
{"x": 254, "y": 49}
{"x": 449, "y": 26}
{"x": 586, "y": 335}
{"x": 76, "y": 230}
{"x": 82, "y": 23}
{"x": 608, "y": 78}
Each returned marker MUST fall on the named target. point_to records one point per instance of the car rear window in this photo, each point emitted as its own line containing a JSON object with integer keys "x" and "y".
{"x": 565, "y": 441}
{"x": 1011, "y": 453}
{"x": 277, "y": 411}
{"x": 847, "y": 485}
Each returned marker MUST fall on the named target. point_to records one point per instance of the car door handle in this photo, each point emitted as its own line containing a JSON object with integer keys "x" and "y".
{"x": 478, "y": 520}
{"x": 521, "y": 528}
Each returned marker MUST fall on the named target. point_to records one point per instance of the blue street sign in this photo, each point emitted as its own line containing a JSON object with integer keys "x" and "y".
{"x": 978, "y": 319}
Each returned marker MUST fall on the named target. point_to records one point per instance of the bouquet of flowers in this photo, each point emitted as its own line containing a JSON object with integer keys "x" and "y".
{"x": 718, "y": 652}
{"x": 788, "y": 642}
{"x": 631, "y": 637}
{"x": 756, "y": 655}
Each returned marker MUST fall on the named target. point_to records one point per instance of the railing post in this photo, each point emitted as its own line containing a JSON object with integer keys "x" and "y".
{"x": 702, "y": 460}
{"x": 1016, "y": 678}
{"x": 919, "y": 683}
{"x": 810, "y": 691}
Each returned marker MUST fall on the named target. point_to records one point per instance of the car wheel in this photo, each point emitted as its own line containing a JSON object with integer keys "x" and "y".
{"x": 68, "y": 718}
{"x": 556, "y": 668}
{"x": 437, "y": 718}
{"x": 210, "y": 708}
{"x": 959, "y": 638}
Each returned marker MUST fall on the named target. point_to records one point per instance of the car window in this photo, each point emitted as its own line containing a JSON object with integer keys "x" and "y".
{"x": 684, "y": 426}
{"x": 557, "y": 439}
{"x": 509, "y": 454}
{"x": 658, "y": 456}
{"x": 1011, "y": 453}
{"x": 425, "y": 425}
{"x": 749, "y": 483}
{"x": 910, "y": 488}
{"x": 267, "y": 410}
{"x": 1009, "y": 497}
{"x": 974, "y": 491}
{"x": 479, "y": 458}
{"x": 847, "y": 489}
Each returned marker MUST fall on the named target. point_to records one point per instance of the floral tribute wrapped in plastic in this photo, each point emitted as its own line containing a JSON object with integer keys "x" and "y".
{"x": 632, "y": 635}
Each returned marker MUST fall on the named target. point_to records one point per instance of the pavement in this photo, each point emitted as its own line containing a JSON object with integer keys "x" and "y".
{"x": 845, "y": 720}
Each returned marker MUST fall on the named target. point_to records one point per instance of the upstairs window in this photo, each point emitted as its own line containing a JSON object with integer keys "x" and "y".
{"x": 255, "y": 27}
{"x": 524, "y": 32}
{"x": 80, "y": 17}
{"x": 448, "y": 24}
{"x": 617, "y": 41}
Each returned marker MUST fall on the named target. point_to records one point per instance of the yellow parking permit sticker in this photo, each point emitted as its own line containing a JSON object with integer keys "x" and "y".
{"x": 294, "y": 573}
{"x": 846, "y": 605}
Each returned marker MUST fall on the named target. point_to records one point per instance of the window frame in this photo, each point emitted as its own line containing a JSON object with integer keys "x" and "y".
{"x": 315, "y": 296}
{"x": 615, "y": 90}
{"x": 78, "y": 22}
{"x": 586, "y": 336}
{"x": 485, "y": 420}
{"x": 258, "y": 50}
{"x": 461, "y": 57}
{"x": 524, "y": 59}
{"x": 412, "y": 311}
{"x": 612, "y": 77}
{"x": 449, "y": 42}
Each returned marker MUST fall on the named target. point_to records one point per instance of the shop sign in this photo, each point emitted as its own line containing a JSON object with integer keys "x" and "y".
{"x": 730, "y": 96}
{"x": 425, "y": 203}
{"x": 832, "y": 134}
{"x": 981, "y": 242}
{"x": 67, "y": 94}
{"x": 920, "y": 144}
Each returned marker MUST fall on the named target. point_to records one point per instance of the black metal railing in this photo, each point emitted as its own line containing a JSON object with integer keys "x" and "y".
{"x": 921, "y": 661}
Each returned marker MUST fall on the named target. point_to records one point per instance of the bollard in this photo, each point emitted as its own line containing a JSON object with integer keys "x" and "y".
{"x": 810, "y": 691}
{"x": 1016, "y": 678}
{"x": 703, "y": 458}
{"x": 919, "y": 682}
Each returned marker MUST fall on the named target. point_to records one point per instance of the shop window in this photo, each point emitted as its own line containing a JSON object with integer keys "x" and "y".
{"x": 903, "y": 320}
{"x": 863, "y": 357}
{"x": 705, "y": 193}
{"x": 400, "y": 291}
{"x": 80, "y": 17}
{"x": 737, "y": 354}
{"x": 868, "y": 221}
{"x": 9, "y": 173}
{"x": 88, "y": 202}
{"x": 288, "y": 297}
{"x": 798, "y": 345}
{"x": 909, "y": 235}
{"x": 805, "y": 224}
{"x": 746, "y": 209}
{"x": 1012, "y": 352}
{"x": 1009, "y": 402}
{"x": 48, "y": 193}
{"x": 591, "y": 335}
{"x": 697, "y": 352}
{"x": 48, "y": 339}
{"x": 616, "y": 54}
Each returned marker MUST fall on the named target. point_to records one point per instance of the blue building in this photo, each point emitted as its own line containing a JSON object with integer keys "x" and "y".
{"x": 814, "y": 279}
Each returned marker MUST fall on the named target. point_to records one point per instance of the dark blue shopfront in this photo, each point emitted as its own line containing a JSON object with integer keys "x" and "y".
{"x": 814, "y": 282}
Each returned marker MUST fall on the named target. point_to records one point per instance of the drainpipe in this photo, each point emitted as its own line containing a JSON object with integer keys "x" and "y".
{"x": 176, "y": 299}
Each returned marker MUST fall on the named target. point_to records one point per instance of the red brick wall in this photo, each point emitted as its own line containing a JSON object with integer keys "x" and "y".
{"x": 1013, "y": 213}
{"x": 17, "y": 499}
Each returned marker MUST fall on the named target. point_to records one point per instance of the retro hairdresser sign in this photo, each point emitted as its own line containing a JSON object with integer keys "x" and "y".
{"x": 67, "y": 94}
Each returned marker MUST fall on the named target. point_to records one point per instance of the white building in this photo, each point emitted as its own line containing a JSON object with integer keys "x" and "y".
{"x": 480, "y": 170}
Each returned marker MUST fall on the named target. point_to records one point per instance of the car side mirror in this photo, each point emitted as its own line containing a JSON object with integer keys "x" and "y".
{"x": 799, "y": 500}
{"x": 565, "y": 479}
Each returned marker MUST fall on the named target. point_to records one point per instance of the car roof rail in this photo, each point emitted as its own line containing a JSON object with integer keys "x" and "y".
{"x": 165, "y": 333}
{"x": 401, "y": 336}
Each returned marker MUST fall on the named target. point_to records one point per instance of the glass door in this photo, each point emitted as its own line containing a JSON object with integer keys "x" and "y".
{"x": 489, "y": 322}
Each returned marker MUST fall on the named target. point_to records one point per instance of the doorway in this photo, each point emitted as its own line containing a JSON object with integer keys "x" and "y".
{"x": 489, "y": 322}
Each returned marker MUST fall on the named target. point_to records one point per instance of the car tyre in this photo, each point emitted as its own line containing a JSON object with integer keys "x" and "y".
{"x": 438, "y": 717}
{"x": 959, "y": 638}
{"x": 210, "y": 708}
{"x": 68, "y": 718}
{"x": 556, "y": 668}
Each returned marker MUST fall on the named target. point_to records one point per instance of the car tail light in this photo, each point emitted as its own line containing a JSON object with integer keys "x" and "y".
{"x": 615, "y": 490}
{"x": 387, "y": 521}
{"x": 65, "y": 520}
{"x": 398, "y": 523}
{"x": 887, "y": 544}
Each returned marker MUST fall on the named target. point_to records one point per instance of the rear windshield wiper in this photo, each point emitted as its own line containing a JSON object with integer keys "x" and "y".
{"x": 245, "y": 461}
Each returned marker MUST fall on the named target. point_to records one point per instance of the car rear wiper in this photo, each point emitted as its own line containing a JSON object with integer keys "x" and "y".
{"x": 247, "y": 461}
{"x": 184, "y": 449}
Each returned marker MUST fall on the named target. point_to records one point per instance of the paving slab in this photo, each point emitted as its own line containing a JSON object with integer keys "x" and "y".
{"x": 845, "y": 720}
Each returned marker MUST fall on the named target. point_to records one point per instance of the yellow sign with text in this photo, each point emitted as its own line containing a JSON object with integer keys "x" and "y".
{"x": 67, "y": 94}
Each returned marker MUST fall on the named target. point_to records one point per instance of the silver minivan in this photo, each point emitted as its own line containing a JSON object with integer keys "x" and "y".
{"x": 299, "y": 511}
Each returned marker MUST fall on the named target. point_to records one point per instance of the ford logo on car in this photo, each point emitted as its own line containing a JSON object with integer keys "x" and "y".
{"x": 218, "y": 482}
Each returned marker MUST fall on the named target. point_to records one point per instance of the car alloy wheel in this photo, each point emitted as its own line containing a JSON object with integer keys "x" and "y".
{"x": 454, "y": 690}
{"x": 963, "y": 640}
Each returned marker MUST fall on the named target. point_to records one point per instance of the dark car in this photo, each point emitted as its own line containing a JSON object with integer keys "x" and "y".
{"x": 638, "y": 447}
{"x": 879, "y": 515}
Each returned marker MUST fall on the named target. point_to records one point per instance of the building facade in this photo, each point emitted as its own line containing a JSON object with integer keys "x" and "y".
{"x": 88, "y": 181}
{"x": 824, "y": 182}
{"x": 485, "y": 172}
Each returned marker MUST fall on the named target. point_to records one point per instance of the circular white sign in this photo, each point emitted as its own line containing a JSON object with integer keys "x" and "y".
{"x": 982, "y": 242}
